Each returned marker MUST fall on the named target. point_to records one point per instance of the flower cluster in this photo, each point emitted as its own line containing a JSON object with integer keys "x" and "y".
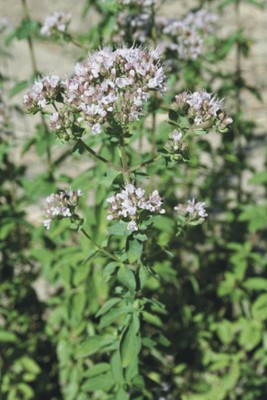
{"x": 55, "y": 23}
{"x": 128, "y": 204}
{"x": 61, "y": 205}
{"x": 184, "y": 36}
{"x": 109, "y": 86}
{"x": 43, "y": 91}
{"x": 202, "y": 21}
{"x": 133, "y": 26}
{"x": 203, "y": 108}
{"x": 176, "y": 137}
{"x": 114, "y": 84}
{"x": 194, "y": 211}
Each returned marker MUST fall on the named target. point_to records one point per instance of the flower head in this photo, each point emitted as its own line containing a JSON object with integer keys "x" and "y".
{"x": 183, "y": 37}
{"x": 130, "y": 202}
{"x": 57, "y": 22}
{"x": 42, "y": 93}
{"x": 61, "y": 205}
{"x": 113, "y": 85}
{"x": 194, "y": 211}
{"x": 203, "y": 108}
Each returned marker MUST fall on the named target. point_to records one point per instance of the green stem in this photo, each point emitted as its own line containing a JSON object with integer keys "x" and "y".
{"x": 143, "y": 164}
{"x": 36, "y": 73}
{"x": 92, "y": 152}
{"x": 123, "y": 155}
{"x": 107, "y": 253}
{"x": 29, "y": 40}
{"x": 238, "y": 74}
{"x": 153, "y": 133}
{"x": 70, "y": 39}
{"x": 98, "y": 157}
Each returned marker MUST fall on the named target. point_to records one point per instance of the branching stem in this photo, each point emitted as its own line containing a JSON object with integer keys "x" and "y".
{"x": 100, "y": 249}
{"x": 98, "y": 157}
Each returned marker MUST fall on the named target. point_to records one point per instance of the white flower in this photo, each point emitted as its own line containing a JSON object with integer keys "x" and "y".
{"x": 132, "y": 226}
{"x": 61, "y": 205}
{"x": 43, "y": 91}
{"x": 131, "y": 201}
{"x": 55, "y": 22}
{"x": 127, "y": 77}
{"x": 203, "y": 106}
{"x": 47, "y": 223}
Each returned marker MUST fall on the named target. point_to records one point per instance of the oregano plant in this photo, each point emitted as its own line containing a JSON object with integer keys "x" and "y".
{"x": 133, "y": 229}
{"x": 102, "y": 103}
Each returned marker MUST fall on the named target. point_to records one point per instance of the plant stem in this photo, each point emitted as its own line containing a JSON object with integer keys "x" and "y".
{"x": 29, "y": 40}
{"x": 107, "y": 253}
{"x": 71, "y": 39}
{"x": 154, "y": 118}
{"x": 238, "y": 74}
{"x": 92, "y": 152}
{"x": 123, "y": 155}
{"x": 98, "y": 157}
{"x": 36, "y": 73}
{"x": 143, "y": 164}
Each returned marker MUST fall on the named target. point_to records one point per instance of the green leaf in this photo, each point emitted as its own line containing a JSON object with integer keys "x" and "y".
{"x": 26, "y": 29}
{"x": 127, "y": 278}
{"x": 97, "y": 369}
{"x": 108, "y": 270}
{"x": 141, "y": 237}
{"x": 225, "y": 332}
{"x": 161, "y": 339}
{"x": 131, "y": 342}
{"x": 119, "y": 229}
{"x": 80, "y": 274}
{"x": 143, "y": 276}
{"x": 7, "y": 337}
{"x": 116, "y": 367}
{"x": 113, "y": 315}
{"x": 92, "y": 345}
{"x": 91, "y": 254}
{"x": 152, "y": 319}
{"x": 30, "y": 365}
{"x": 26, "y": 390}
{"x": 121, "y": 394}
{"x": 259, "y": 308}
{"x": 134, "y": 250}
{"x": 255, "y": 215}
{"x": 259, "y": 178}
{"x": 250, "y": 335}
{"x": 108, "y": 179}
{"x": 200, "y": 132}
{"x": 107, "y": 306}
{"x": 18, "y": 87}
{"x": 7, "y": 227}
{"x": 103, "y": 382}
{"x": 256, "y": 284}
{"x": 82, "y": 396}
{"x": 78, "y": 147}
{"x": 173, "y": 115}
{"x": 79, "y": 303}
